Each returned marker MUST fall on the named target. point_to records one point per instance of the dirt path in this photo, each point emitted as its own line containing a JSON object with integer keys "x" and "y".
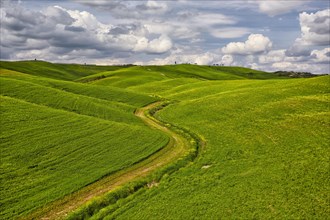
{"x": 175, "y": 148}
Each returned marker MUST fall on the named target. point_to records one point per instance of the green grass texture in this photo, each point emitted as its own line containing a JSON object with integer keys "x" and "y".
{"x": 55, "y": 71}
{"x": 267, "y": 153}
{"x": 65, "y": 126}
{"x": 58, "y": 136}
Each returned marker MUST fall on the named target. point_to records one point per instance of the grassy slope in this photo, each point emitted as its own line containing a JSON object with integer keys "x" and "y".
{"x": 52, "y": 153}
{"x": 143, "y": 75}
{"x": 57, "y": 137}
{"x": 55, "y": 71}
{"x": 267, "y": 152}
{"x": 266, "y": 139}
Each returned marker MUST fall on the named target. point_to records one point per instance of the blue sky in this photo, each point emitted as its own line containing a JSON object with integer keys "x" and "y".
{"x": 268, "y": 35}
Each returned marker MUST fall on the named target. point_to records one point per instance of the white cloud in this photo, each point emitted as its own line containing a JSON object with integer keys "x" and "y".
{"x": 180, "y": 55}
{"x": 256, "y": 43}
{"x": 316, "y": 62}
{"x": 272, "y": 57}
{"x": 204, "y": 59}
{"x": 321, "y": 56}
{"x": 177, "y": 30}
{"x": 153, "y": 7}
{"x": 273, "y": 8}
{"x": 159, "y": 45}
{"x": 293, "y": 65}
{"x": 209, "y": 19}
{"x": 83, "y": 19}
{"x": 229, "y": 32}
{"x": 128, "y": 9}
{"x": 227, "y": 60}
{"x": 288, "y": 66}
{"x": 315, "y": 28}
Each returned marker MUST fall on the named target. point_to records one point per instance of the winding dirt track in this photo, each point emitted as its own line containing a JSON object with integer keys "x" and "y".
{"x": 175, "y": 148}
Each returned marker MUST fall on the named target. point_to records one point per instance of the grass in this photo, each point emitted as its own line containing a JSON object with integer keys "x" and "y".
{"x": 266, "y": 153}
{"x": 182, "y": 148}
{"x": 143, "y": 75}
{"x": 57, "y": 137}
{"x": 55, "y": 71}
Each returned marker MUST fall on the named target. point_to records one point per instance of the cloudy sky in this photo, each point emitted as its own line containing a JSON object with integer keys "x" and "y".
{"x": 262, "y": 34}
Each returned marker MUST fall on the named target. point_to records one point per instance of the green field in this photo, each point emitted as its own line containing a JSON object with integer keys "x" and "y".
{"x": 267, "y": 153}
{"x": 267, "y": 138}
{"x": 57, "y": 137}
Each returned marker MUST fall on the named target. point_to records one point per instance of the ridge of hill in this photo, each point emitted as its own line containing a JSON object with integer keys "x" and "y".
{"x": 55, "y": 70}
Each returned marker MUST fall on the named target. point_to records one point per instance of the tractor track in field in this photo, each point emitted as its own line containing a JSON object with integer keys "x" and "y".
{"x": 175, "y": 148}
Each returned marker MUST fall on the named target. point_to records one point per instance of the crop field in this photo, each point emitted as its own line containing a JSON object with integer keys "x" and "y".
{"x": 266, "y": 152}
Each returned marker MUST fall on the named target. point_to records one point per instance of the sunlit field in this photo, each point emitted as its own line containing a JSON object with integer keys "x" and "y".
{"x": 64, "y": 127}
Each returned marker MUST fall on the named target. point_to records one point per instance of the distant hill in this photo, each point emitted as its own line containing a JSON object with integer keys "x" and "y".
{"x": 293, "y": 74}
{"x": 54, "y": 70}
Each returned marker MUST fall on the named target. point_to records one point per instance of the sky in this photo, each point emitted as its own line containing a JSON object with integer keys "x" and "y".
{"x": 261, "y": 34}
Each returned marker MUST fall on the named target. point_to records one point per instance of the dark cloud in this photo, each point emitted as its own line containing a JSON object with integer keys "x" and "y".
{"x": 125, "y": 29}
{"x": 17, "y": 19}
{"x": 67, "y": 34}
{"x": 74, "y": 29}
{"x": 5, "y": 53}
{"x": 320, "y": 30}
{"x": 73, "y": 41}
{"x": 298, "y": 50}
{"x": 118, "y": 30}
{"x": 58, "y": 16}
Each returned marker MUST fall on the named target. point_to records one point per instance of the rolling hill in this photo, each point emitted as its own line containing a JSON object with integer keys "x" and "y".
{"x": 66, "y": 126}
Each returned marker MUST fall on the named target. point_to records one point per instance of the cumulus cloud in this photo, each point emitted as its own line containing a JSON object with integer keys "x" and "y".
{"x": 272, "y": 57}
{"x": 256, "y": 43}
{"x": 54, "y": 30}
{"x": 160, "y": 45}
{"x": 155, "y": 46}
{"x": 317, "y": 62}
{"x": 227, "y": 60}
{"x": 315, "y": 29}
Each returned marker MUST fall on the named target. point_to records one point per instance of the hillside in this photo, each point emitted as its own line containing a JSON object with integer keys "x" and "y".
{"x": 65, "y": 127}
{"x": 58, "y": 136}
{"x": 266, "y": 154}
{"x": 55, "y": 71}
